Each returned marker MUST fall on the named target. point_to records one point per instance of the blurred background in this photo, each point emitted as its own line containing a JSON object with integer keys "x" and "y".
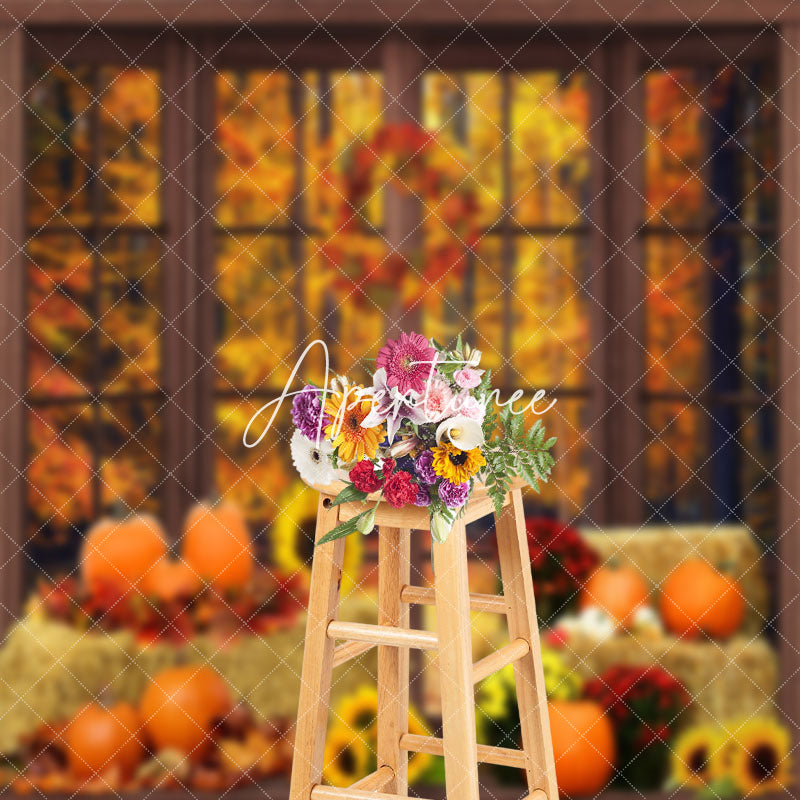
{"x": 595, "y": 209}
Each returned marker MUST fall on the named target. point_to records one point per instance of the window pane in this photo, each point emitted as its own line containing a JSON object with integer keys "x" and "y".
{"x": 130, "y": 137}
{"x": 130, "y": 453}
{"x": 464, "y": 111}
{"x": 130, "y": 315}
{"x": 342, "y": 110}
{"x": 550, "y": 147}
{"x": 676, "y": 314}
{"x": 258, "y": 311}
{"x": 59, "y": 299}
{"x": 256, "y": 175}
{"x": 674, "y": 121}
{"x": 350, "y": 290}
{"x": 711, "y": 145}
{"x": 489, "y": 312}
{"x": 253, "y": 478}
{"x": 549, "y": 323}
{"x": 58, "y": 478}
{"x": 59, "y": 146}
{"x": 674, "y": 459}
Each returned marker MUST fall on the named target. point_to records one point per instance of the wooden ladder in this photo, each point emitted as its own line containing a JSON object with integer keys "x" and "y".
{"x": 452, "y": 642}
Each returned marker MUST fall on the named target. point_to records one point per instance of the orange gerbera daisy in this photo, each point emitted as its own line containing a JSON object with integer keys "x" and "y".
{"x": 345, "y": 431}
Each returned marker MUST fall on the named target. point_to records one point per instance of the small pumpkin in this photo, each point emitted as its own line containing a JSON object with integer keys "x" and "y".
{"x": 697, "y": 598}
{"x": 217, "y": 545}
{"x": 101, "y": 740}
{"x": 584, "y": 747}
{"x": 171, "y": 580}
{"x": 180, "y": 706}
{"x": 118, "y": 554}
{"x": 617, "y": 589}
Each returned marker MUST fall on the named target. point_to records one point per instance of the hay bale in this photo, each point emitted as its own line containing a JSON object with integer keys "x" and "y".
{"x": 733, "y": 679}
{"x": 50, "y": 670}
{"x": 657, "y": 550}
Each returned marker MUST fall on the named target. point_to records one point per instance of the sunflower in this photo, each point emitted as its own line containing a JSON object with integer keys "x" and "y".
{"x": 347, "y": 757}
{"x": 759, "y": 756}
{"x": 291, "y": 535}
{"x": 698, "y": 756}
{"x": 358, "y": 714}
{"x": 456, "y": 466}
{"x": 353, "y": 441}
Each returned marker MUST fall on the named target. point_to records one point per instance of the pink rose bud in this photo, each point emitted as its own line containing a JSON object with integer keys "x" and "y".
{"x": 468, "y": 377}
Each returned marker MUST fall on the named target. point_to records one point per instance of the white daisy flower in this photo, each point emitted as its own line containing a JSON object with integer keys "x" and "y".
{"x": 312, "y": 463}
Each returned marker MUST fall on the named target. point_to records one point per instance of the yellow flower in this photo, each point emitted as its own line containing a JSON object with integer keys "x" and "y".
{"x": 759, "y": 759}
{"x": 560, "y": 681}
{"x": 357, "y": 715}
{"x": 358, "y": 712}
{"x": 495, "y": 693}
{"x": 288, "y": 535}
{"x": 456, "y": 466}
{"x": 347, "y": 413}
{"x": 698, "y": 757}
{"x": 418, "y": 763}
{"x": 347, "y": 757}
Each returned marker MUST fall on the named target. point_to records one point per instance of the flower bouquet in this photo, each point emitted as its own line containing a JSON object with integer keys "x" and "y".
{"x": 425, "y": 432}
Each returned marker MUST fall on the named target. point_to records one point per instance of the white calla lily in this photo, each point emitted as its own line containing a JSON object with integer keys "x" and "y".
{"x": 462, "y": 432}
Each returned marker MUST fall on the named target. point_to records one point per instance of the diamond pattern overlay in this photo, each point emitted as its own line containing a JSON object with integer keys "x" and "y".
{"x": 178, "y": 189}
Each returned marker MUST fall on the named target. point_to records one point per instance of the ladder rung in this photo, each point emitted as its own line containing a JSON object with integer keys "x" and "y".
{"x": 507, "y": 654}
{"x": 487, "y": 754}
{"x": 536, "y": 794}
{"x": 346, "y": 652}
{"x": 419, "y": 595}
{"x": 335, "y": 793}
{"x": 381, "y": 634}
{"x": 375, "y": 781}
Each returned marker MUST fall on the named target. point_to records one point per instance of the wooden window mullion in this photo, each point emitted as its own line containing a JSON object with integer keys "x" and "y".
{"x": 180, "y": 359}
{"x": 12, "y": 312}
{"x": 619, "y": 360}
{"x": 788, "y": 456}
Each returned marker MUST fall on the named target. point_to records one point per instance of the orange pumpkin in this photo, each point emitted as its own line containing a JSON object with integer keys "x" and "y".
{"x": 171, "y": 580}
{"x": 583, "y": 745}
{"x": 179, "y": 708}
{"x": 101, "y": 740}
{"x": 217, "y": 545}
{"x": 618, "y": 590}
{"x": 697, "y": 598}
{"x": 118, "y": 554}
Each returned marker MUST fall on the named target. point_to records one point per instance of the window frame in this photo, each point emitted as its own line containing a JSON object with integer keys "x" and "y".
{"x": 186, "y": 56}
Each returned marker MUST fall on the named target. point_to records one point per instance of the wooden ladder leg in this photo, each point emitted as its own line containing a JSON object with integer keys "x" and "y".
{"x": 455, "y": 665}
{"x": 515, "y": 568}
{"x": 315, "y": 683}
{"x": 394, "y": 572}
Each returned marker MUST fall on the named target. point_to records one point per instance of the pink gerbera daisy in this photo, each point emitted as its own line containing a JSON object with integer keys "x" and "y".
{"x": 408, "y": 362}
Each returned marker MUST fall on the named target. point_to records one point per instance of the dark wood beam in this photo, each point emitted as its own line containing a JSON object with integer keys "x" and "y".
{"x": 12, "y": 334}
{"x": 788, "y": 457}
{"x": 405, "y": 12}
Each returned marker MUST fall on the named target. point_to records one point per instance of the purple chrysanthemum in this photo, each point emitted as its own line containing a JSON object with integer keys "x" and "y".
{"x": 408, "y": 361}
{"x": 306, "y": 412}
{"x": 423, "y": 466}
{"x": 423, "y": 498}
{"x": 453, "y": 495}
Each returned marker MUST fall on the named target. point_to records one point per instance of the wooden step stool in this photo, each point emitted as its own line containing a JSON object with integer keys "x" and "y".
{"x": 452, "y": 641}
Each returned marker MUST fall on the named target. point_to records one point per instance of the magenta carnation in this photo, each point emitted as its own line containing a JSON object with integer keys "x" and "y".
{"x": 408, "y": 361}
{"x": 423, "y": 497}
{"x": 423, "y": 466}
{"x": 306, "y": 413}
{"x": 454, "y": 495}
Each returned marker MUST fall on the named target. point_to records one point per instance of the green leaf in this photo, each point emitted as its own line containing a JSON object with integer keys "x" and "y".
{"x": 348, "y": 495}
{"x": 343, "y": 528}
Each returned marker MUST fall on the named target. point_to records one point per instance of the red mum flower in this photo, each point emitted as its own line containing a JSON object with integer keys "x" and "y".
{"x": 364, "y": 478}
{"x": 399, "y": 489}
